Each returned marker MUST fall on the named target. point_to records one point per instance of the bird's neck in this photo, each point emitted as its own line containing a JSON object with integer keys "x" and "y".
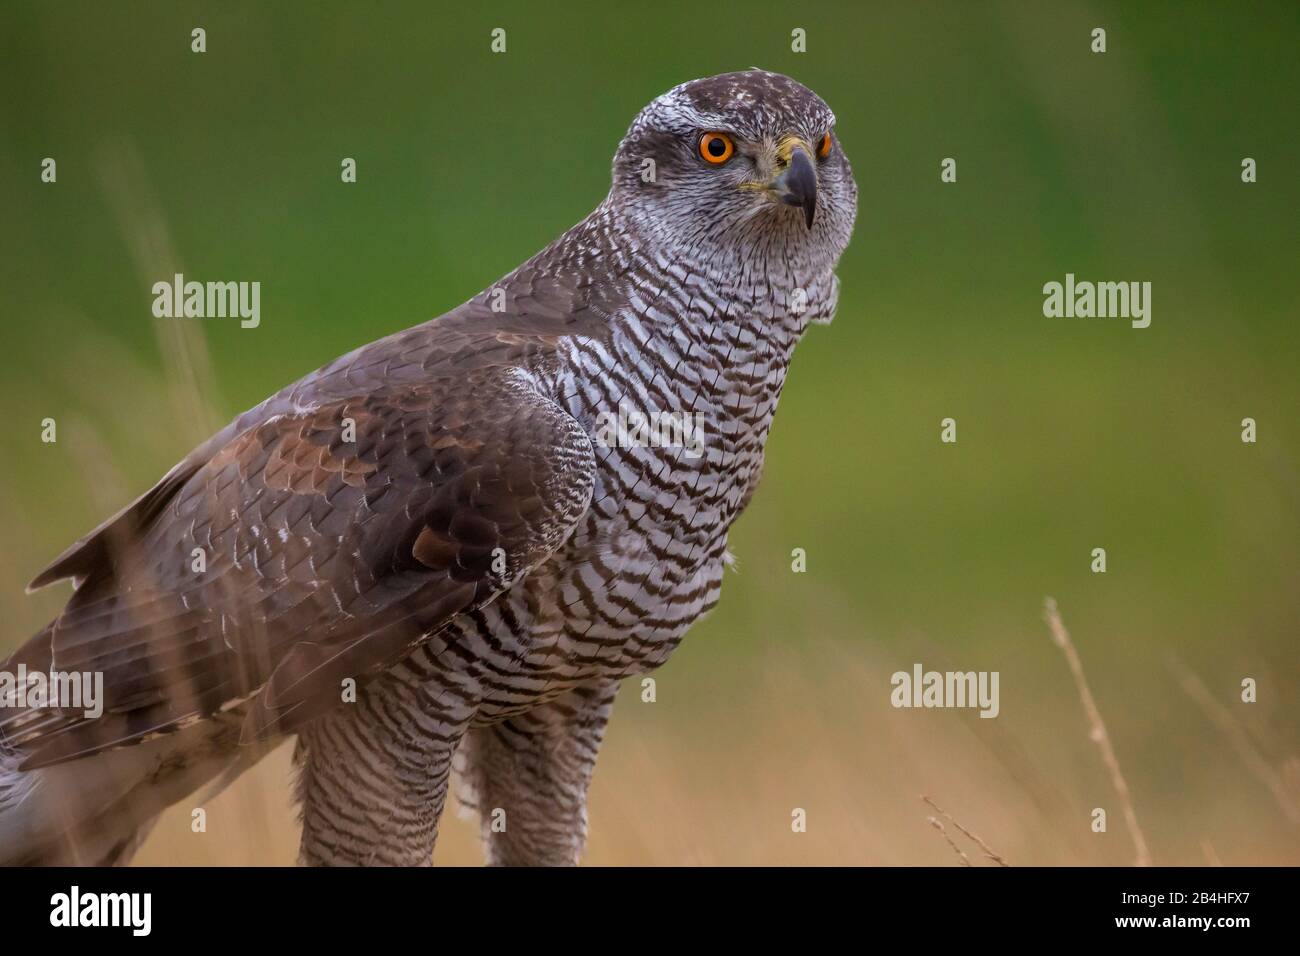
{"x": 709, "y": 335}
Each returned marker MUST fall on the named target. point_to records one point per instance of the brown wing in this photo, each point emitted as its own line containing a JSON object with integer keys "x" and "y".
{"x": 561, "y": 292}
{"x": 292, "y": 558}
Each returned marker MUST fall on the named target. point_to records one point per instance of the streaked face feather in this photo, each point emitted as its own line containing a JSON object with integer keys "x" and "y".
{"x": 729, "y": 216}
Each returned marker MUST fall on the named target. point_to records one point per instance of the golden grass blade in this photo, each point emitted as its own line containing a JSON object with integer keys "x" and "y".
{"x": 1098, "y": 733}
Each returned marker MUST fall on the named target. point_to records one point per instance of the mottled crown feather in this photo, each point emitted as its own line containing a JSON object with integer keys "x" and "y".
{"x": 753, "y": 102}
{"x": 724, "y": 215}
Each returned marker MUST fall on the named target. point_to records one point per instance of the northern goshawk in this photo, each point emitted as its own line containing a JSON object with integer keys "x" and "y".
{"x": 450, "y": 545}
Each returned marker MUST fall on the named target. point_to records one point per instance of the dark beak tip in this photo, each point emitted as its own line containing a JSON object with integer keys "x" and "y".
{"x": 800, "y": 182}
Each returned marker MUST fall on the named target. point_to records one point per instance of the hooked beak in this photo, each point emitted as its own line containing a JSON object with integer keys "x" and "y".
{"x": 797, "y": 185}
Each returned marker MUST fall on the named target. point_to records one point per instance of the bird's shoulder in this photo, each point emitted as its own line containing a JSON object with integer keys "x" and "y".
{"x": 517, "y": 323}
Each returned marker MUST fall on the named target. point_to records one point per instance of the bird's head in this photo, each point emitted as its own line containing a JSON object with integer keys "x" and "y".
{"x": 746, "y": 162}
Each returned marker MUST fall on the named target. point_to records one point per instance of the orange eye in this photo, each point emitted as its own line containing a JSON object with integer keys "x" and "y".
{"x": 824, "y": 147}
{"x": 716, "y": 148}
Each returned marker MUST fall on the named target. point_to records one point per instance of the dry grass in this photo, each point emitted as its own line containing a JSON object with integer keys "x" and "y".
{"x": 962, "y": 858}
{"x": 191, "y": 383}
{"x": 938, "y": 825}
{"x": 1285, "y": 791}
{"x": 1098, "y": 734}
{"x": 712, "y": 781}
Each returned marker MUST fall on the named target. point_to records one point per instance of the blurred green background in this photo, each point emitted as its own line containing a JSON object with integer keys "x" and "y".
{"x": 1073, "y": 433}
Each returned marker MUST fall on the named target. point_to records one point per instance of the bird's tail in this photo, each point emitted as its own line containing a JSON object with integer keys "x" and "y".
{"x": 96, "y": 811}
{"x": 15, "y": 791}
{"x": 55, "y": 817}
